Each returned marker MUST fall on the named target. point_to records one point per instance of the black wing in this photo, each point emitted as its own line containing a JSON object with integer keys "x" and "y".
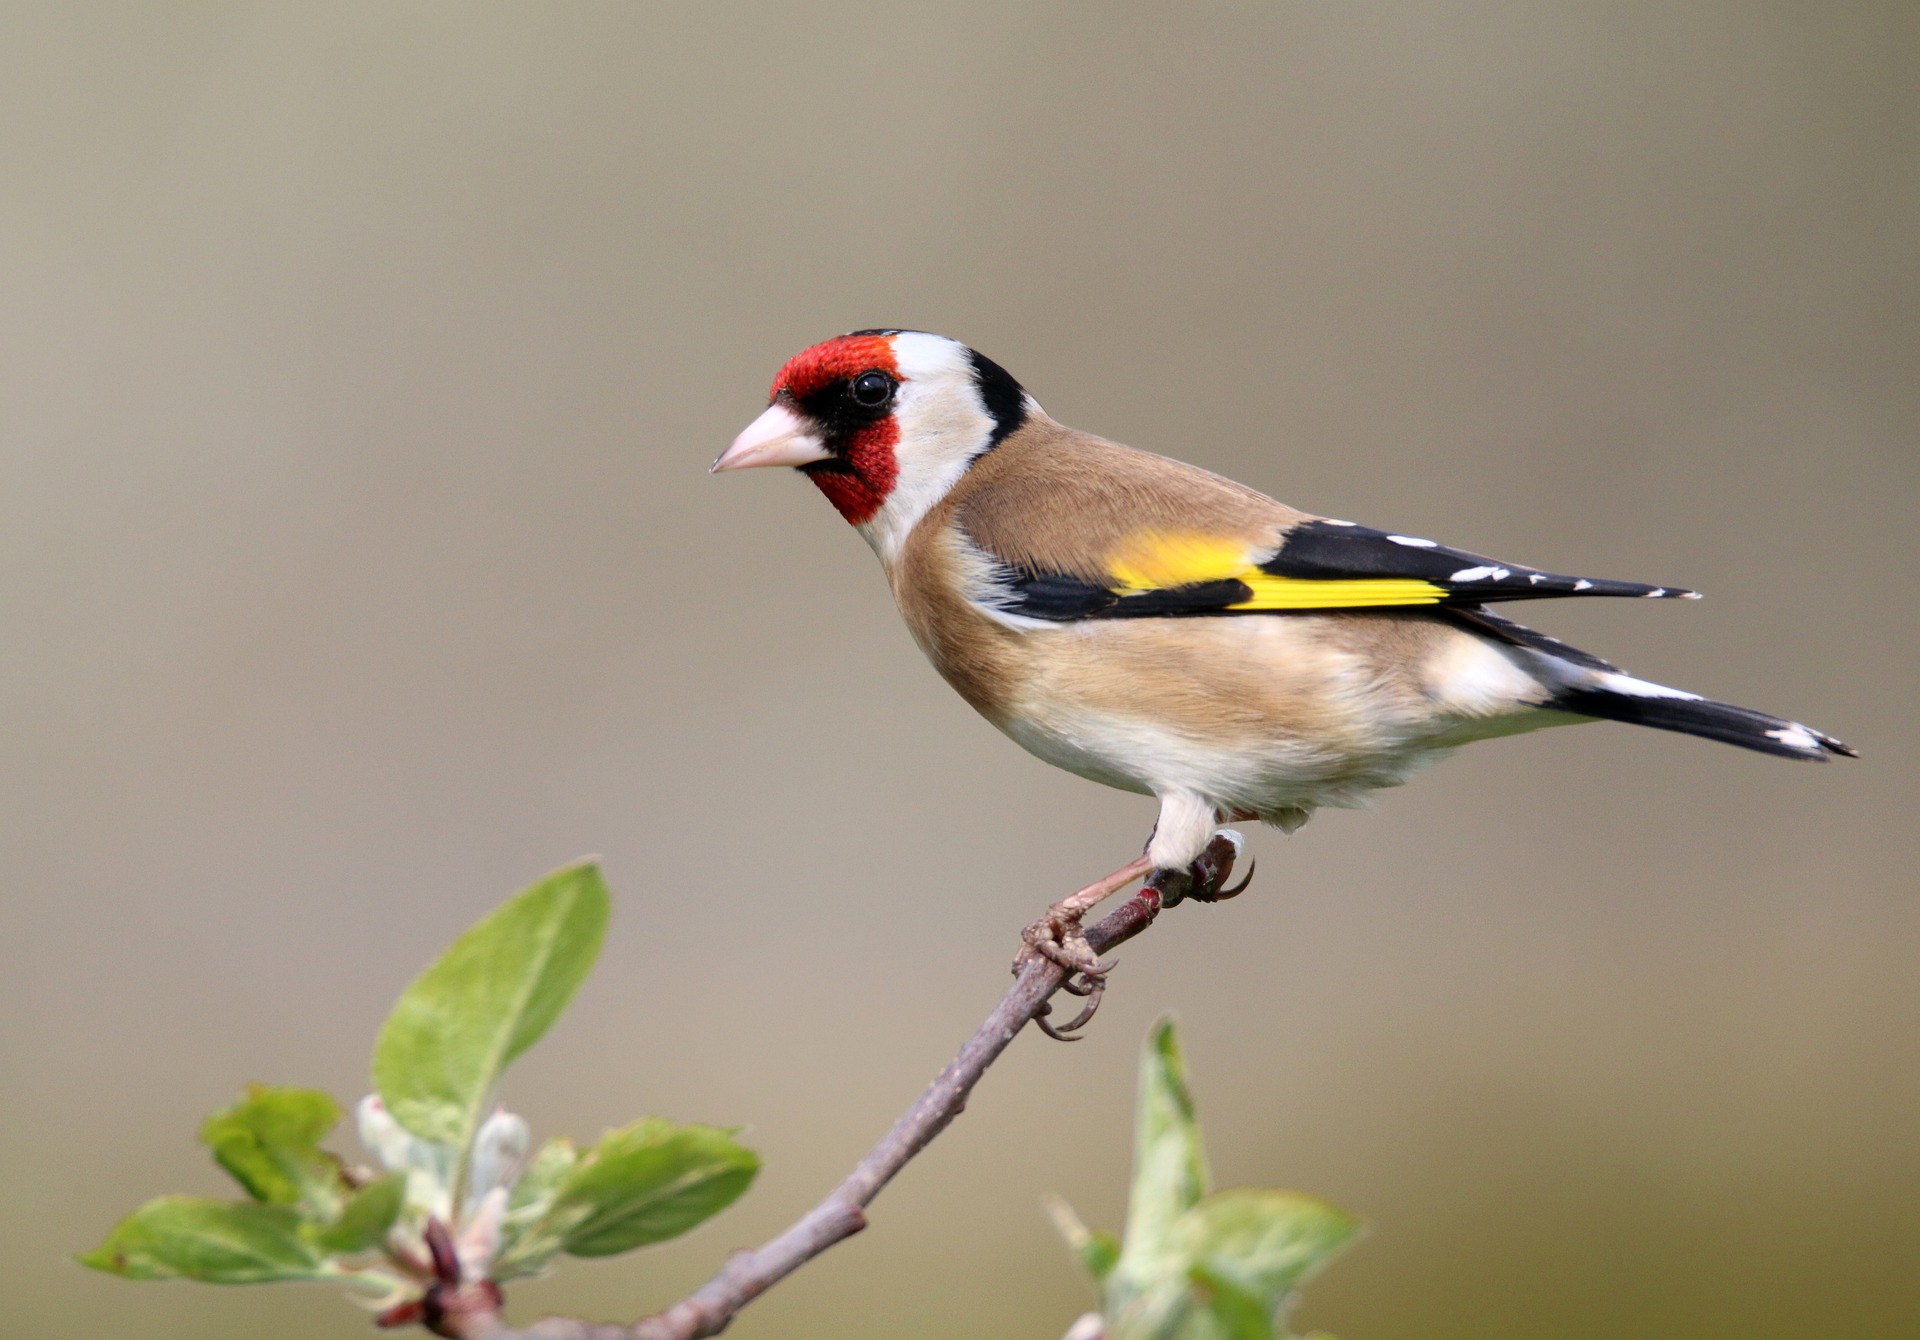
{"x": 1332, "y": 551}
{"x": 1320, "y": 565}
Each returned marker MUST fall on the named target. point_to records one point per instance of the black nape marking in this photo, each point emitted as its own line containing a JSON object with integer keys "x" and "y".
{"x": 1004, "y": 397}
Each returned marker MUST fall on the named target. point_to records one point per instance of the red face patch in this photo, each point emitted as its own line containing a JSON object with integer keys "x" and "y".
{"x": 862, "y": 474}
{"x": 835, "y": 360}
{"x": 859, "y": 488}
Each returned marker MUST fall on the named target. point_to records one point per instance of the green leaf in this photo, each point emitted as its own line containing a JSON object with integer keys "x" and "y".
{"x": 217, "y": 1241}
{"x": 485, "y": 1001}
{"x": 1225, "y": 1308}
{"x": 1197, "y": 1305}
{"x": 1265, "y": 1241}
{"x": 648, "y": 1182}
{"x": 1096, "y": 1251}
{"x": 1169, "y": 1164}
{"x": 368, "y": 1217}
{"x": 270, "y": 1142}
{"x": 528, "y": 1238}
{"x": 1198, "y": 1266}
{"x": 548, "y": 1171}
{"x": 1164, "y": 1313}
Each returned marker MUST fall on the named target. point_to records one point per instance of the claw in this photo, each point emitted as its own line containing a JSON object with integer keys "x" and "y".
{"x": 1210, "y": 871}
{"x": 1092, "y": 969}
{"x": 1239, "y": 888}
{"x": 1058, "y": 1035}
{"x": 1070, "y": 1031}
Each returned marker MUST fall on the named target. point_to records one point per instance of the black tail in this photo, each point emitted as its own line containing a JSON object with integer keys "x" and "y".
{"x": 1594, "y": 688}
{"x": 1710, "y": 720}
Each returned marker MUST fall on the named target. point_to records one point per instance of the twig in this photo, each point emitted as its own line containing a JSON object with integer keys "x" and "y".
{"x": 748, "y": 1274}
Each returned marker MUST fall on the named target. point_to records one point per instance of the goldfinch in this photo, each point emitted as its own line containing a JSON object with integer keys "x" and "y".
{"x": 1150, "y": 625}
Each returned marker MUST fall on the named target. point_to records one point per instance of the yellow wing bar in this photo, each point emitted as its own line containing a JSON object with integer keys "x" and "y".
{"x": 1303, "y": 593}
{"x": 1156, "y": 560}
{"x": 1152, "y": 559}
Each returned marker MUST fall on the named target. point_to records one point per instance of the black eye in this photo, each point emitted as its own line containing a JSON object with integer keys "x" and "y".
{"x": 872, "y": 389}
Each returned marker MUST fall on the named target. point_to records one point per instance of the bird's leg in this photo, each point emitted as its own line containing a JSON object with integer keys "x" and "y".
{"x": 1204, "y": 879}
{"x": 1190, "y": 858}
{"x": 1187, "y": 858}
{"x": 1057, "y": 935}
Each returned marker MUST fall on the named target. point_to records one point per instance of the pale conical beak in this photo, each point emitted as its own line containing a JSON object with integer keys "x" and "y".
{"x": 778, "y": 437}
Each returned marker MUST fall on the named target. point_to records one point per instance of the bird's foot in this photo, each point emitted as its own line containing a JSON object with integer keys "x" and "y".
{"x": 1059, "y": 938}
{"x": 1205, "y": 880}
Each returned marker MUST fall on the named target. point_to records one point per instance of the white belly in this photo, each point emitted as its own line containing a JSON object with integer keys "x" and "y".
{"x": 1265, "y": 777}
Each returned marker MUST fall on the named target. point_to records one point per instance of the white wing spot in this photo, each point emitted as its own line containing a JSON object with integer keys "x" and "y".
{"x": 1796, "y": 736}
{"x": 1656, "y": 593}
{"x": 1479, "y": 574}
{"x": 1535, "y": 578}
{"x": 1412, "y": 543}
{"x": 1583, "y": 585}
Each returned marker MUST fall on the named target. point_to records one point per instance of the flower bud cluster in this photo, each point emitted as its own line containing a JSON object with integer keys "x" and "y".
{"x": 466, "y": 1191}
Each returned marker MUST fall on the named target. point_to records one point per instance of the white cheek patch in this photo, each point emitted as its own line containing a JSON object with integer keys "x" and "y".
{"x": 943, "y": 426}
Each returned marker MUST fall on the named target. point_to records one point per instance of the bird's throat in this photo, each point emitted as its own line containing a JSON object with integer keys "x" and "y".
{"x": 857, "y": 482}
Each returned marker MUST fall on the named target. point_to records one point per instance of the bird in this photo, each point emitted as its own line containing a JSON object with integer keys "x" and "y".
{"x": 1156, "y": 627}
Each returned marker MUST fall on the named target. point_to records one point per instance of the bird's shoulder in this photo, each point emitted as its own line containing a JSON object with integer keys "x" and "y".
{"x": 1055, "y": 499}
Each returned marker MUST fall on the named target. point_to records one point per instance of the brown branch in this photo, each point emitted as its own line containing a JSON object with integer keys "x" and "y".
{"x": 748, "y": 1274}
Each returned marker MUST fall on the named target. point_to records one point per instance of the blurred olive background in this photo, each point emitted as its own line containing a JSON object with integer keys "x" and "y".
{"x": 359, "y": 369}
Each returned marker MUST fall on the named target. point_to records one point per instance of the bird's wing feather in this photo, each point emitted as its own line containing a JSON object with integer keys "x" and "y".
{"x": 1335, "y": 551}
{"x": 1101, "y": 531}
